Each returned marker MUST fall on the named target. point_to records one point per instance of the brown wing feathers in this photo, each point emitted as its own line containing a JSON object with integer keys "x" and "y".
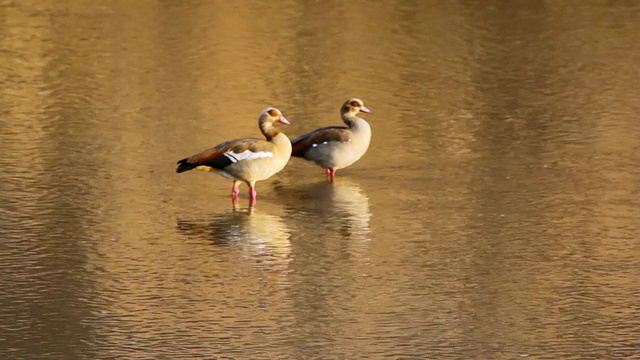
{"x": 211, "y": 157}
{"x": 305, "y": 142}
{"x": 215, "y": 157}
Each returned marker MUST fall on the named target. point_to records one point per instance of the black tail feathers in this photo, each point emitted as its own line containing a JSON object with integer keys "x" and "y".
{"x": 184, "y": 165}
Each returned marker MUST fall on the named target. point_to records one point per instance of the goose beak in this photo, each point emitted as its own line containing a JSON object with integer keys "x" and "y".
{"x": 283, "y": 120}
{"x": 365, "y": 109}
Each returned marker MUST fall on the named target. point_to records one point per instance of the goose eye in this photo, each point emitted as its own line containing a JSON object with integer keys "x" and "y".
{"x": 274, "y": 113}
{"x": 355, "y": 104}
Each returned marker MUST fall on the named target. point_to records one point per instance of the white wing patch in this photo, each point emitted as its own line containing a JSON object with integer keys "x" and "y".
{"x": 326, "y": 142}
{"x": 247, "y": 155}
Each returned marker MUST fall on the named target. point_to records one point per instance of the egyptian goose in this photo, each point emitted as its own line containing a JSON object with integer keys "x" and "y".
{"x": 248, "y": 160}
{"x": 336, "y": 147}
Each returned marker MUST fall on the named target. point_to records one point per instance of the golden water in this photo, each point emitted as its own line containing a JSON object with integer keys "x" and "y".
{"x": 495, "y": 214}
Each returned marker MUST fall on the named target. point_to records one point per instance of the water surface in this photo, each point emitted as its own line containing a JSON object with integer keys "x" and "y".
{"x": 494, "y": 216}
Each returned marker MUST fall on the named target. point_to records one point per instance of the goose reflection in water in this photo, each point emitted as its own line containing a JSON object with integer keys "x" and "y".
{"x": 352, "y": 201}
{"x": 257, "y": 233}
{"x": 340, "y": 206}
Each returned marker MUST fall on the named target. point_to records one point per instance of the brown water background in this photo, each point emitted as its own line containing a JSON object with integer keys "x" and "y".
{"x": 495, "y": 215}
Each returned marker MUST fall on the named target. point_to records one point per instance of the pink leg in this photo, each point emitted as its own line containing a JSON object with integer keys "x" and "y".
{"x": 235, "y": 190}
{"x": 331, "y": 174}
{"x": 253, "y": 194}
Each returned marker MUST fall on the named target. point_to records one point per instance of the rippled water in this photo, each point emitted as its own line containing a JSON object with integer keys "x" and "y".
{"x": 494, "y": 216}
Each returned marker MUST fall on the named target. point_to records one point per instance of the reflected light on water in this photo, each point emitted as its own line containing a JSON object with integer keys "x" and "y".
{"x": 494, "y": 215}
{"x": 261, "y": 237}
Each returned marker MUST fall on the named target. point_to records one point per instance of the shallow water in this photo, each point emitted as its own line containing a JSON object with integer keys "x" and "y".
{"x": 494, "y": 216}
